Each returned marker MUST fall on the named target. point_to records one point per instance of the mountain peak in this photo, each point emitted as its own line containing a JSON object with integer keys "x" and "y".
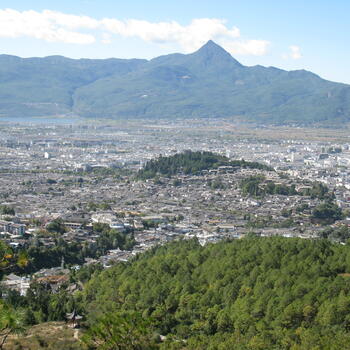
{"x": 212, "y": 44}
{"x": 211, "y": 51}
{"x": 212, "y": 48}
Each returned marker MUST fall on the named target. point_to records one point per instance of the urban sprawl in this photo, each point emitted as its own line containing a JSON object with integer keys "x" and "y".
{"x": 81, "y": 177}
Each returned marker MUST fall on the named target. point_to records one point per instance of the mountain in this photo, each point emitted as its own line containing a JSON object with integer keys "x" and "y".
{"x": 46, "y": 86}
{"x": 206, "y": 83}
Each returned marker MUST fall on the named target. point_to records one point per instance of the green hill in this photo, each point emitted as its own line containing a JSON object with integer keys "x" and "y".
{"x": 192, "y": 163}
{"x": 253, "y": 293}
{"x": 206, "y": 83}
{"x": 46, "y": 86}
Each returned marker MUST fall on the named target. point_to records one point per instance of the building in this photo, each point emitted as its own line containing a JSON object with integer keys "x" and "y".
{"x": 16, "y": 283}
{"x": 11, "y": 227}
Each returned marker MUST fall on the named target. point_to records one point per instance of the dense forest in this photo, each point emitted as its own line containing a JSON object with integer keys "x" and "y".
{"x": 254, "y": 293}
{"x": 191, "y": 163}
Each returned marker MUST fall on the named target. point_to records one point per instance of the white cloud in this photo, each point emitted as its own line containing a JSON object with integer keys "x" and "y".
{"x": 47, "y": 25}
{"x": 70, "y": 21}
{"x": 294, "y": 53}
{"x": 190, "y": 37}
{"x": 55, "y": 26}
{"x": 247, "y": 47}
{"x": 106, "y": 38}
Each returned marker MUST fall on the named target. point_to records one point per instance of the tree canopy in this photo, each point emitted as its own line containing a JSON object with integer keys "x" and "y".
{"x": 254, "y": 293}
{"x": 190, "y": 162}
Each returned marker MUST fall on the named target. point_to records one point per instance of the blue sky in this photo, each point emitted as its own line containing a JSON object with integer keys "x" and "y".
{"x": 307, "y": 34}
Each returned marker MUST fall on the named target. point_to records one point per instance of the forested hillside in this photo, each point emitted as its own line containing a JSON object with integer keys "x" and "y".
{"x": 254, "y": 293}
{"x": 192, "y": 163}
{"x": 46, "y": 86}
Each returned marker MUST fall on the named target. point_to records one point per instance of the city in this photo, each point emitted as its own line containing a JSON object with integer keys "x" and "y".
{"x": 84, "y": 175}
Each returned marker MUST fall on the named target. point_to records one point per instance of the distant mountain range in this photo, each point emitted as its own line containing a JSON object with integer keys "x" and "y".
{"x": 206, "y": 83}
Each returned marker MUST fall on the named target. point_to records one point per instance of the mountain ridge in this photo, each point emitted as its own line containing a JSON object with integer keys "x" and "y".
{"x": 206, "y": 83}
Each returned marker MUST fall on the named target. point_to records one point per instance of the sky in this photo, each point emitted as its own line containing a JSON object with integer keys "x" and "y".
{"x": 288, "y": 34}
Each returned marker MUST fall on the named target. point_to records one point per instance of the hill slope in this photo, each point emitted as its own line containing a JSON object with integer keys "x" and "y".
{"x": 206, "y": 83}
{"x": 254, "y": 293}
{"x": 46, "y": 86}
{"x": 190, "y": 162}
